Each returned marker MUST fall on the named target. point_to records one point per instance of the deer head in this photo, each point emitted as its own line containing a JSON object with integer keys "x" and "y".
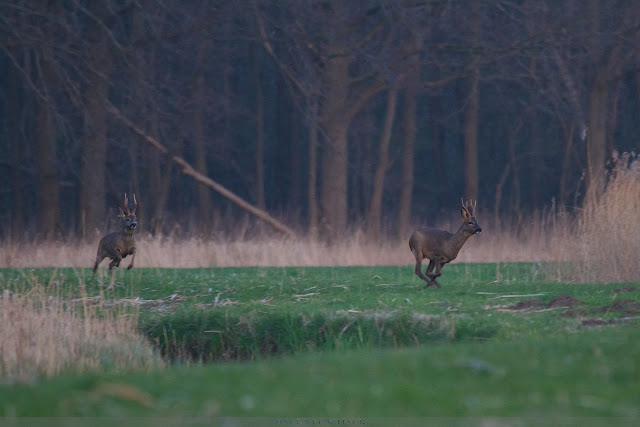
{"x": 468, "y": 213}
{"x": 128, "y": 217}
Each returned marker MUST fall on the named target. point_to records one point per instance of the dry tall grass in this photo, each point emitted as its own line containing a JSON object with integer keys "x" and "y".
{"x": 604, "y": 243}
{"x": 43, "y": 334}
{"x": 496, "y": 243}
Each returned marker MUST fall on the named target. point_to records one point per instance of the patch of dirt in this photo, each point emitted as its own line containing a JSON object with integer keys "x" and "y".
{"x": 575, "y": 313}
{"x": 527, "y": 304}
{"x": 561, "y": 301}
{"x": 626, "y": 289}
{"x": 564, "y": 301}
{"x": 624, "y": 306}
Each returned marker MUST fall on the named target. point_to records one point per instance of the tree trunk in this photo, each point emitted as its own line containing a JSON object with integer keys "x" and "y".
{"x": 471, "y": 140}
{"x": 204, "y": 193}
{"x": 374, "y": 220}
{"x": 94, "y": 157}
{"x": 335, "y": 151}
{"x": 443, "y": 191}
{"x": 471, "y": 174}
{"x": 568, "y": 134}
{"x": 46, "y": 160}
{"x": 406, "y": 184}
{"x": 94, "y": 147}
{"x": 260, "y": 201}
{"x": 612, "y": 118}
{"x": 535, "y": 178}
{"x": 597, "y": 136}
{"x": 14, "y": 134}
{"x": 313, "y": 170}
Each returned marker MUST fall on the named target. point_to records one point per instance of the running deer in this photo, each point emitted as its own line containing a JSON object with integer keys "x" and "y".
{"x": 119, "y": 244}
{"x": 442, "y": 247}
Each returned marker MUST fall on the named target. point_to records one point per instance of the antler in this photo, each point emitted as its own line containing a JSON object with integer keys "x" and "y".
{"x": 470, "y": 206}
{"x": 126, "y": 204}
{"x": 135, "y": 204}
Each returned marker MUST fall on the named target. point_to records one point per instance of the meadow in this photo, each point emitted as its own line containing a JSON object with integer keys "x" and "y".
{"x": 497, "y": 340}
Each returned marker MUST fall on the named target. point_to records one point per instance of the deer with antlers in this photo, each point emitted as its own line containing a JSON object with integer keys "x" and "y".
{"x": 119, "y": 244}
{"x": 441, "y": 247}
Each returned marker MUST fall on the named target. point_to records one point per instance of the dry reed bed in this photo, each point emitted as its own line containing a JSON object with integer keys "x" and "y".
{"x": 356, "y": 249}
{"x": 606, "y": 241}
{"x": 43, "y": 334}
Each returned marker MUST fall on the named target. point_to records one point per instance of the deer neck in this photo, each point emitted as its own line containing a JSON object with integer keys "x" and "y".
{"x": 127, "y": 234}
{"x": 457, "y": 241}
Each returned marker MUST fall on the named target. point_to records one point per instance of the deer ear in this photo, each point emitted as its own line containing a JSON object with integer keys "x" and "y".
{"x": 465, "y": 213}
{"x": 121, "y": 215}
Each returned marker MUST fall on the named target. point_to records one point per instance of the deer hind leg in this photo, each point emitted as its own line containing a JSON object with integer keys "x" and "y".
{"x": 99, "y": 259}
{"x": 437, "y": 266}
{"x": 115, "y": 260}
{"x": 133, "y": 257}
{"x": 431, "y": 275}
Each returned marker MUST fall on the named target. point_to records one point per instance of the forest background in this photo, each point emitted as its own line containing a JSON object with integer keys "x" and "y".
{"x": 329, "y": 116}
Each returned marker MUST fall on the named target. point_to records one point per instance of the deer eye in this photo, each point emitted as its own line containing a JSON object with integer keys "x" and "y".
{"x": 470, "y": 223}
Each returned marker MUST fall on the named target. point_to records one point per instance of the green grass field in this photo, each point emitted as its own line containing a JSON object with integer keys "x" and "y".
{"x": 497, "y": 340}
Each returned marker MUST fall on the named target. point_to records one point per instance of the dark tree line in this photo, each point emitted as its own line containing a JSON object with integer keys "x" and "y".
{"x": 325, "y": 114}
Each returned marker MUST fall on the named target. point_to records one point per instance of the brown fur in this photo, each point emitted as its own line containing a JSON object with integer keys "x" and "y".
{"x": 119, "y": 244}
{"x": 441, "y": 247}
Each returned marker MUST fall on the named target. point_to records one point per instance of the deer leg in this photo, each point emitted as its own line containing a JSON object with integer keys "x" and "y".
{"x": 419, "y": 267}
{"x": 431, "y": 275}
{"x": 133, "y": 257}
{"x": 115, "y": 261}
{"x": 99, "y": 259}
{"x": 438, "y": 268}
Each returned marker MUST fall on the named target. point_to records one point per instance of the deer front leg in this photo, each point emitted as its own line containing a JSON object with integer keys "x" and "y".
{"x": 133, "y": 257}
{"x": 418, "y": 269}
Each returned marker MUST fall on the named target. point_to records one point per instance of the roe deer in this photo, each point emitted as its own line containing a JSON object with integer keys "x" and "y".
{"x": 119, "y": 244}
{"x": 442, "y": 247}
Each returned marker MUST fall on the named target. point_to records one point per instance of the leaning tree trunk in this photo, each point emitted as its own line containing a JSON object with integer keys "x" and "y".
{"x": 189, "y": 170}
